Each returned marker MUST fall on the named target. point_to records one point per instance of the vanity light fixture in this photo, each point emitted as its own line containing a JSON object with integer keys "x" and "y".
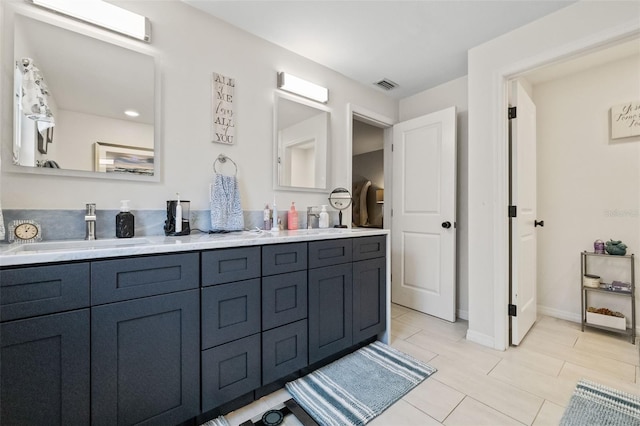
{"x": 302, "y": 87}
{"x": 102, "y": 14}
{"x": 131, "y": 113}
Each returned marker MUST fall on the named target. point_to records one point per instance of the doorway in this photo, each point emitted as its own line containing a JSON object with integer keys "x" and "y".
{"x": 367, "y": 175}
{"x": 575, "y": 199}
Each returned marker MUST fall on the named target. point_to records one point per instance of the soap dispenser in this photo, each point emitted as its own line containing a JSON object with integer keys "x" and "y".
{"x": 323, "y": 221}
{"x": 125, "y": 227}
{"x": 292, "y": 218}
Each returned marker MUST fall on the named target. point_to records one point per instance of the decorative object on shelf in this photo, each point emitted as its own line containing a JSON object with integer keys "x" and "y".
{"x": 616, "y": 248}
{"x": 340, "y": 199}
{"x": 598, "y": 247}
{"x": 24, "y": 231}
{"x": 625, "y": 120}
{"x": 224, "y": 127}
{"x": 113, "y": 158}
{"x": 592, "y": 281}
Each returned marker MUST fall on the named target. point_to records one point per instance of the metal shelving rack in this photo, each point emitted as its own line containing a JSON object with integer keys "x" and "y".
{"x": 630, "y": 331}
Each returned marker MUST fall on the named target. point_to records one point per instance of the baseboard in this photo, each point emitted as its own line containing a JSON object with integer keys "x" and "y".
{"x": 463, "y": 314}
{"x": 557, "y": 313}
{"x": 481, "y": 339}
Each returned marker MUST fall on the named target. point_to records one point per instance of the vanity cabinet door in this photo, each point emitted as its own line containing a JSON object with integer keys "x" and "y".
{"x": 145, "y": 360}
{"x": 45, "y": 373}
{"x": 369, "y": 298}
{"x": 330, "y": 310}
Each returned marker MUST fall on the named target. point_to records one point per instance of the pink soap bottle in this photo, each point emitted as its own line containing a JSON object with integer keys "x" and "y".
{"x": 292, "y": 218}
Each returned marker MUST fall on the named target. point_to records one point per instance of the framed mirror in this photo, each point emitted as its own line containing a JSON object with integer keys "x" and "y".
{"x": 97, "y": 92}
{"x": 301, "y": 144}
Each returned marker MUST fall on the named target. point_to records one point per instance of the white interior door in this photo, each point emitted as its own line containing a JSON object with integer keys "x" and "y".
{"x": 423, "y": 234}
{"x": 523, "y": 196}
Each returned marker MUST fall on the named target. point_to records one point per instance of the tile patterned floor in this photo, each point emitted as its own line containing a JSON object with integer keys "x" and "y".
{"x": 526, "y": 385}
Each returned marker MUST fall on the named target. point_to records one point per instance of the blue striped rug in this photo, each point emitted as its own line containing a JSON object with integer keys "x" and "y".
{"x": 594, "y": 404}
{"x": 358, "y": 387}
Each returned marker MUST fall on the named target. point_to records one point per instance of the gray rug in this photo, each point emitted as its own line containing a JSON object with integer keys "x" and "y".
{"x": 358, "y": 387}
{"x": 594, "y": 404}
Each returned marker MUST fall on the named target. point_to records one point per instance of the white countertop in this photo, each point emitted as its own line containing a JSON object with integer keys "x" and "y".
{"x": 70, "y": 250}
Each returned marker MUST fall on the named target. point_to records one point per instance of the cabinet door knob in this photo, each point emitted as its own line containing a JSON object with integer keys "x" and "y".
{"x": 446, "y": 225}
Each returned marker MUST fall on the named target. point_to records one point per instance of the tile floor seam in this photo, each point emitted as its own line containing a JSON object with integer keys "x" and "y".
{"x": 454, "y": 408}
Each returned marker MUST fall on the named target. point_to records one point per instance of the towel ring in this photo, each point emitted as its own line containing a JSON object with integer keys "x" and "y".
{"x": 223, "y": 159}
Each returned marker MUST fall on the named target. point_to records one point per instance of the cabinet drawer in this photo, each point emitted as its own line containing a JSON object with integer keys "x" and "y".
{"x": 228, "y": 265}
{"x": 284, "y": 351}
{"x": 284, "y": 299}
{"x": 229, "y": 312}
{"x": 330, "y": 252}
{"x": 282, "y": 258}
{"x": 230, "y": 371}
{"x": 369, "y": 247}
{"x": 38, "y": 290}
{"x": 125, "y": 279}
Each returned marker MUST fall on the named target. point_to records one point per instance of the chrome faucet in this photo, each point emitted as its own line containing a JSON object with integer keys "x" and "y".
{"x": 90, "y": 220}
{"x": 311, "y": 214}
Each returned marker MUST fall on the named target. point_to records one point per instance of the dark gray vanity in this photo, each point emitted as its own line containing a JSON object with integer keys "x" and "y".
{"x": 181, "y": 337}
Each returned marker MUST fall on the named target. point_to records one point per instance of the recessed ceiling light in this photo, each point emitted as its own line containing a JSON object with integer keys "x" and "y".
{"x": 132, "y": 113}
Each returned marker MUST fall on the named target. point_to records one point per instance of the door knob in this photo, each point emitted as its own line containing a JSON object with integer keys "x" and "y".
{"x": 446, "y": 225}
{"x": 538, "y": 223}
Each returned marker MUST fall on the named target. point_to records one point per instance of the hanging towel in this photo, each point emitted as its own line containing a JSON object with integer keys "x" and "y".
{"x": 226, "y": 211}
{"x": 34, "y": 96}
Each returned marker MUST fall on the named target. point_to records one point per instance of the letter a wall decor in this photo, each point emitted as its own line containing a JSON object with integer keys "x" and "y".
{"x": 224, "y": 120}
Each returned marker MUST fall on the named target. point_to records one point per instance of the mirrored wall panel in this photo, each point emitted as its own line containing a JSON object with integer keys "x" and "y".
{"x": 82, "y": 104}
{"x": 301, "y": 144}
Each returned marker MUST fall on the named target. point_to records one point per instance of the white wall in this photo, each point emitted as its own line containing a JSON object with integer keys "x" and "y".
{"x": 588, "y": 184}
{"x": 452, "y": 93}
{"x": 190, "y": 46}
{"x": 574, "y": 28}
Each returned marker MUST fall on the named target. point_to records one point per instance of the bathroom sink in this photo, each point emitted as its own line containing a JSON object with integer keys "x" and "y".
{"x": 76, "y": 245}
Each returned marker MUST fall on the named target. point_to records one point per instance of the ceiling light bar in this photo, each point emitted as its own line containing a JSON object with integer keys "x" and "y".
{"x": 102, "y": 14}
{"x": 302, "y": 87}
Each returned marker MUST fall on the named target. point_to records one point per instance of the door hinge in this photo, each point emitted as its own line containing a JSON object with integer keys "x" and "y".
{"x": 512, "y": 113}
{"x": 513, "y": 211}
{"x": 391, "y": 147}
{"x": 391, "y": 212}
{"x": 513, "y": 310}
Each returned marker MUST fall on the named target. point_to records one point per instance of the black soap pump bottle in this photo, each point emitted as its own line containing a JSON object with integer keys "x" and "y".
{"x": 124, "y": 221}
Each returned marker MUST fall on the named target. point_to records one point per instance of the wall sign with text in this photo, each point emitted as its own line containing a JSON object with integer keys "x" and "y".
{"x": 224, "y": 123}
{"x": 625, "y": 120}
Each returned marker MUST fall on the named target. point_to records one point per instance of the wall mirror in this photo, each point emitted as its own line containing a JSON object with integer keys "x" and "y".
{"x": 103, "y": 96}
{"x": 301, "y": 144}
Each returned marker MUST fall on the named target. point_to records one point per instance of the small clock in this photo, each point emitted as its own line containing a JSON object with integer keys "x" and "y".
{"x": 24, "y": 231}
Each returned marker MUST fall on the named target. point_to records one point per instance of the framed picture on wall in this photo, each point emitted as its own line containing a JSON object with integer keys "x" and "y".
{"x": 44, "y": 141}
{"x": 113, "y": 158}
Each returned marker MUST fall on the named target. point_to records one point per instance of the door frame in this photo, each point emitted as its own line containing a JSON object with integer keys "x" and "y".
{"x": 501, "y": 175}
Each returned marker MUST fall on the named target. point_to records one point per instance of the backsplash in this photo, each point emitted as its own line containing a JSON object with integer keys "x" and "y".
{"x": 70, "y": 225}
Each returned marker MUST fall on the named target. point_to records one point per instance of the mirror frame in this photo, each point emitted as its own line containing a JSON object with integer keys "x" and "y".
{"x": 306, "y": 102}
{"x": 11, "y": 9}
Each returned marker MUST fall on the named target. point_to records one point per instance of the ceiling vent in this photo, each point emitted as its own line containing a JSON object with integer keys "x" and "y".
{"x": 386, "y": 84}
